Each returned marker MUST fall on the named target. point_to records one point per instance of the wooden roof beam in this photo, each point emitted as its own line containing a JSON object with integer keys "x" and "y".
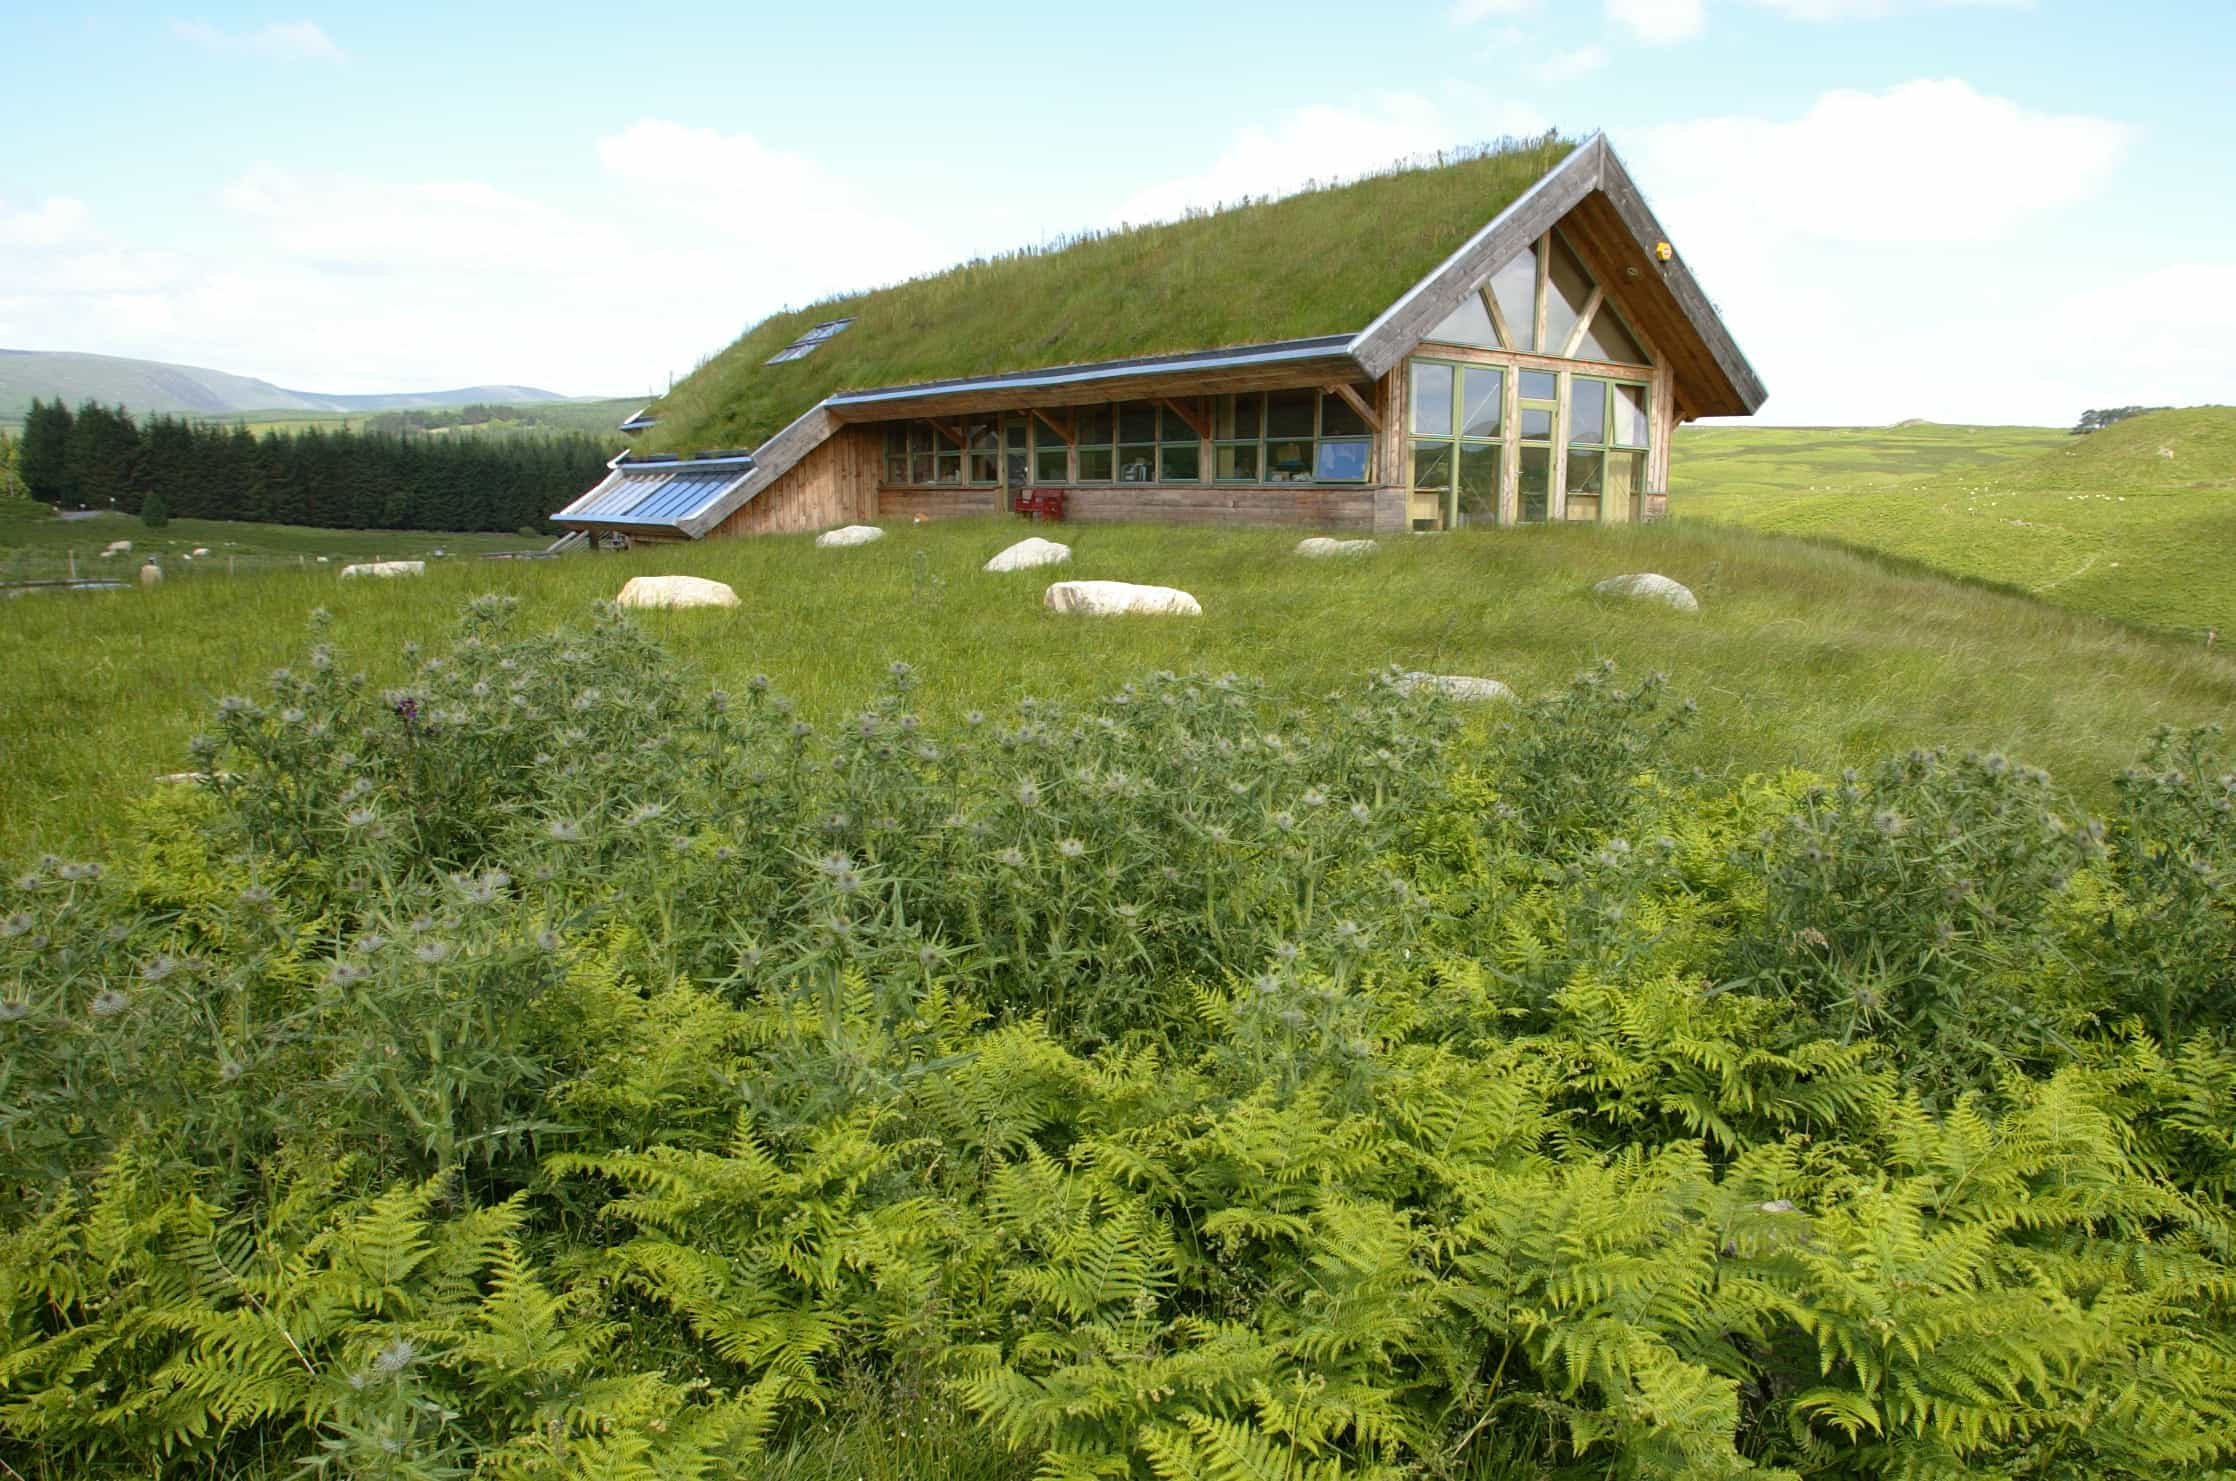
{"x": 1197, "y": 422}
{"x": 1062, "y": 428}
{"x": 1357, "y": 403}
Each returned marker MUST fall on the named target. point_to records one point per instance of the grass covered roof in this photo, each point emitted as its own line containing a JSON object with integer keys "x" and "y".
{"x": 1326, "y": 261}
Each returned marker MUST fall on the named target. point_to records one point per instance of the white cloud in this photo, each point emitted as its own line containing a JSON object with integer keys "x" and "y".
{"x": 51, "y": 223}
{"x": 1838, "y": 10}
{"x": 281, "y": 40}
{"x": 1846, "y": 244}
{"x": 1657, "y": 22}
{"x": 1567, "y": 66}
{"x": 1324, "y": 144}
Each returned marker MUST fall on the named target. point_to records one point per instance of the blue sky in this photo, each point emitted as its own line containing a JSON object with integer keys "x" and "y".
{"x": 1968, "y": 210}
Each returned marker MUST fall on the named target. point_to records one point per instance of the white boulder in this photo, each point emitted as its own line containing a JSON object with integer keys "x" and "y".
{"x": 674, "y": 591}
{"x": 118, "y": 547}
{"x": 1114, "y": 598}
{"x": 384, "y": 568}
{"x": 1026, "y": 554}
{"x": 849, "y": 535}
{"x": 1469, "y": 688}
{"x": 199, "y": 550}
{"x": 1320, "y": 547}
{"x": 1647, "y": 586}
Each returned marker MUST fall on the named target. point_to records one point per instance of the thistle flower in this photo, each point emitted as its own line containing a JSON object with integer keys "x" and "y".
{"x": 1284, "y": 821}
{"x": 256, "y": 897}
{"x": 109, "y": 1002}
{"x": 346, "y": 974}
{"x": 801, "y": 730}
{"x": 1012, "y": 858}
{"x": 1071, "y": 848}
{"x": 644, "y": 812}
{"x": 158, "y": 969}
{"x": 16, "y": 924}
{"x": 834, "y": 865}
{"x": 395, "y": 1357}
{"x": 360, "y": 817}
{"x": 584, "y": 702}
{"x": 429, "y": 953}
{"x": 370, "y": 943}
{"x": 927, "y": 957}
{"x": 1265, "y": 984}
{"x": 75, "y": 872}
{"x": 1028, "y": 794}
{"x": 1347, "y": 932}
{"x": 1287, "y": 952}
{"x": 236, "y": 705}
{"x": 14, "y": 1010}
{"x": 547, "y": 940}
{"x": 564, "y": 830}
{"x": 1314, "y": 797}
{"x": 1360, "y": 812}
{"x": 293, "y": 715}
{"x": 836, "y": 822}
{"x": 749, "y": 959}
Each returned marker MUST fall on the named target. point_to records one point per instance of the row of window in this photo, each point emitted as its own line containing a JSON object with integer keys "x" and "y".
{"x": 1461, "y": 420}
{"x": 1544, "y": 299}
{"x": 1295, "y": 436}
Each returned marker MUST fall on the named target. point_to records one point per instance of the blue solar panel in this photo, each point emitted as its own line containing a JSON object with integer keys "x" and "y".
{"x": 661, "y": 496}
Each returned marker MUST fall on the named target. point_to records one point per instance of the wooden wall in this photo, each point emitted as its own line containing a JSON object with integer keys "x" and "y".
{"x": 836, "y": 484}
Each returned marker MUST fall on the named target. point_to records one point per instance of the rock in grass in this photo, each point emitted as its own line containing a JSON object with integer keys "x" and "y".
{"x": 1026, "y": 554}
{"x": 1469, "y": 688}
{"x": 1117, "y": 598}
{"x": 849, "y": 535}
{"x": 1647, "y": 586}
{"x": 675, "y": 591}
{"x": 1319, "y": 547}
{"x": 385, "y": 568}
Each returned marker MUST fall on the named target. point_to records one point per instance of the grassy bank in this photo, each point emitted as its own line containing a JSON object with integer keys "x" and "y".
{"x": 1805, "y": 654}
{"x": 2132, "y": 522}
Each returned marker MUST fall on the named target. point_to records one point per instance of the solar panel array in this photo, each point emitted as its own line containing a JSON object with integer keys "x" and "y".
{"x": 808, "y": 343}
{"x": 654, "y": 498}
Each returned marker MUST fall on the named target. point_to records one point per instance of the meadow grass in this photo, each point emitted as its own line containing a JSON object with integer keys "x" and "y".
{"x": 2133, "y": 522}
{"x": 1806, "y": 655}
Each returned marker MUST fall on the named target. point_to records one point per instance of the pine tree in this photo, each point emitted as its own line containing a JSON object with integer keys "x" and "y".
{"x": 155, "y": 513}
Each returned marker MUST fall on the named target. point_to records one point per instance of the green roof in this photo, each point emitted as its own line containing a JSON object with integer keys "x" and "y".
{"x": 1326, "y": 261}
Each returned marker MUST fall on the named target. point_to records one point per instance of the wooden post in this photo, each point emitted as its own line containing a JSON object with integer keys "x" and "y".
{"x": 73, "y": 565}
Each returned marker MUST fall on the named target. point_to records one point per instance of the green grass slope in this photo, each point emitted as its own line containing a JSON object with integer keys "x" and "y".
{"x": 2134, "y": 522}
{"x": 1322, "y": 262}
{"x": 1805, "y": 654}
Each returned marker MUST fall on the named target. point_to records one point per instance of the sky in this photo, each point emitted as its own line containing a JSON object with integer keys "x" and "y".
{"x": 1962, "y": 210}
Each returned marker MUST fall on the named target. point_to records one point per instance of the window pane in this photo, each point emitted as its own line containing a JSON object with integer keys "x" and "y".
{"x": 1051, "y": 465}
{"x": 1537, "y": 421}
{"x": 1515, "y": 288}
{"x": 985, "y": 468}
{"x": 920, "y": 468}
{"x": 1137, "y": 422}
{"x": 1479, "y": 467}
{"x": 980, "y": 436}
{"x": 896, "y": 468}
{"x": 1586, "y": 471}
{"x": 1536, "y": 483}
{"x": 1236, "y": 417}
{"x": 1339, "y": 418}
{"x": 1014, "y": 434}
{"x": 1565, "y": 295}
{"x": 948, "y": 468}
{"x": 1469, "y": 324}
{"x": 1176, "y": 428}
{"x": 1045, "y": 436}
{"x": 1432, "y": 399}
{"x": 1587, "y": 411}
{"x": 1482, "y": 401}
{"x": 896, "y": 437}
{"x": 1181, "y": 462}
{"x": 1289, "y": 413}
{"x": 919, "y": 437}
{"x": 1630, "y": 417}
{"x": 1608, "y": 340}
{"x": 1137, "y": 463}
{"x": 1092, "y": 424}
{"x": 1094, "y": 465}
{"x": 1289, "y": 461}
{"x": 1540, "y": 385}
{"x": 1238, "y": 463}
{"x": 1343, "y": 461}
{"x": 1432, "y": 465}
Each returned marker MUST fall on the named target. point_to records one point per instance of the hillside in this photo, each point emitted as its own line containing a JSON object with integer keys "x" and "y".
{"x": 2133, "y": 522}
{"x": 1805, "y": 655}
{"x": 155, "y": 386}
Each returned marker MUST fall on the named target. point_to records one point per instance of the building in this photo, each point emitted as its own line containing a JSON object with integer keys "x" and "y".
{"x": 1503, "y": 338}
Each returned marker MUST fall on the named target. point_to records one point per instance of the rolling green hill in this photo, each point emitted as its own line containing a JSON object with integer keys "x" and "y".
{"x": 157, "y": 386}
{"x": 2135, "y": 522}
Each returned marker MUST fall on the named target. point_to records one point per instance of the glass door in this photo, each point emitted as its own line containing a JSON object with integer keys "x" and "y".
{"x": 1017, "y": 460}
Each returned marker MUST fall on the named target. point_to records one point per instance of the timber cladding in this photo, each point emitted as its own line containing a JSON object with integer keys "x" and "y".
{"x": 835, "y": 484}
{"x": 1350, "y": 507}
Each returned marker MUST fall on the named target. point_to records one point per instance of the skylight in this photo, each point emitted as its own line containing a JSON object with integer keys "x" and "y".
{"x": 808, "y": 343}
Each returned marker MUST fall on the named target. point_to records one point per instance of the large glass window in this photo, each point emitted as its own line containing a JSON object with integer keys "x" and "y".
{"x": 1457, "y": 415}
{"x": 1605, "y": 338}
{"x": 1098, "y": 460}
{"x": 1606, "y": 448}
{"x": 1469, "y": 324}
{"x": 1515, "y": 288}
{"x": 1540, "y": 408}
{"x": 1051, "y": 454}
{"x": 1568, "y": 288}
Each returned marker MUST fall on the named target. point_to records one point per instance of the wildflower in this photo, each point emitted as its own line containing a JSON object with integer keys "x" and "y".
{"x": 974, "y": 719}
{"x": 370, "y": 943}
{"x": 158, "y": 969}
{"x": 429, "y": 953}
{"x": 1028, "y": 794}
{"x": 1347, "y": 932}
{"x": 900, "y": 671}
{"x": 1071, "y": 848}
{"x": 293, "y": 715}
{"x": 1217, "y": 834}
{"x": 360, "y": 817}
{"x": 836, "y": 822}
{"x": 1778, "y": 1206}
{"x": 16, "y": 925}
{"x": 109, "y": 1002}
{"x": 927, "y": 957}
{"x": 1360, "y": 812}
{"x": 564, "y": 830}
{"x": 1128, "y": 912}
{"x": 547, "y": 940}
{"x": 28, "y": 882}
{"x": 345, "y": 974}
{"x": 586, "y": 701}
{"x": 1284, "y": 821}
{"x": 236, "y": 704}
{"x": 407, "y": 710}
{"x": 484, "y": 889}
{"x": 1314, "y": 797}
{"x": 395, "y": 1357}
{"x": 1012, "y": 858}
{"x": 837, "y": 927}
{"x": 1287, "y": 951}
{"x": 749, "y": 959}
{"x": 723, "y": 853}
{"x": 1811, "y": 936}
{"x": 74, "y": 872}
{"x": 801, "y": 730}
{"x": 1293, "y": 1017}
{"x": 1888, "y": 822}
{"x": 759, "y": 683}
{"x": 1265, "y": 984}
{"x": 14, "y": 1010}
{"x": 359, "y": 787}
{"x": 644, "y": 812}
{"x": 256, "y": 897}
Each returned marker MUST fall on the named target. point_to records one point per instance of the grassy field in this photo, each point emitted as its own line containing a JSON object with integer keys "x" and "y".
{"x": 1806, "y": 655}
{"x": 36, "y": 546}
{"x": 2134, "y": 522}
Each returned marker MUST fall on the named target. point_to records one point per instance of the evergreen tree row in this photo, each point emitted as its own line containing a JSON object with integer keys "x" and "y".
{"x": 99, "y": 457}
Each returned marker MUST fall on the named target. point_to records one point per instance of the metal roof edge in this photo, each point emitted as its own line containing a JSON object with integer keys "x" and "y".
{"x": 1087, "y": 372}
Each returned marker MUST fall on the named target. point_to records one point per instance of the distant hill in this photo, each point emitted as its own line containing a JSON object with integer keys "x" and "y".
{"x": 153, "y": 386}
